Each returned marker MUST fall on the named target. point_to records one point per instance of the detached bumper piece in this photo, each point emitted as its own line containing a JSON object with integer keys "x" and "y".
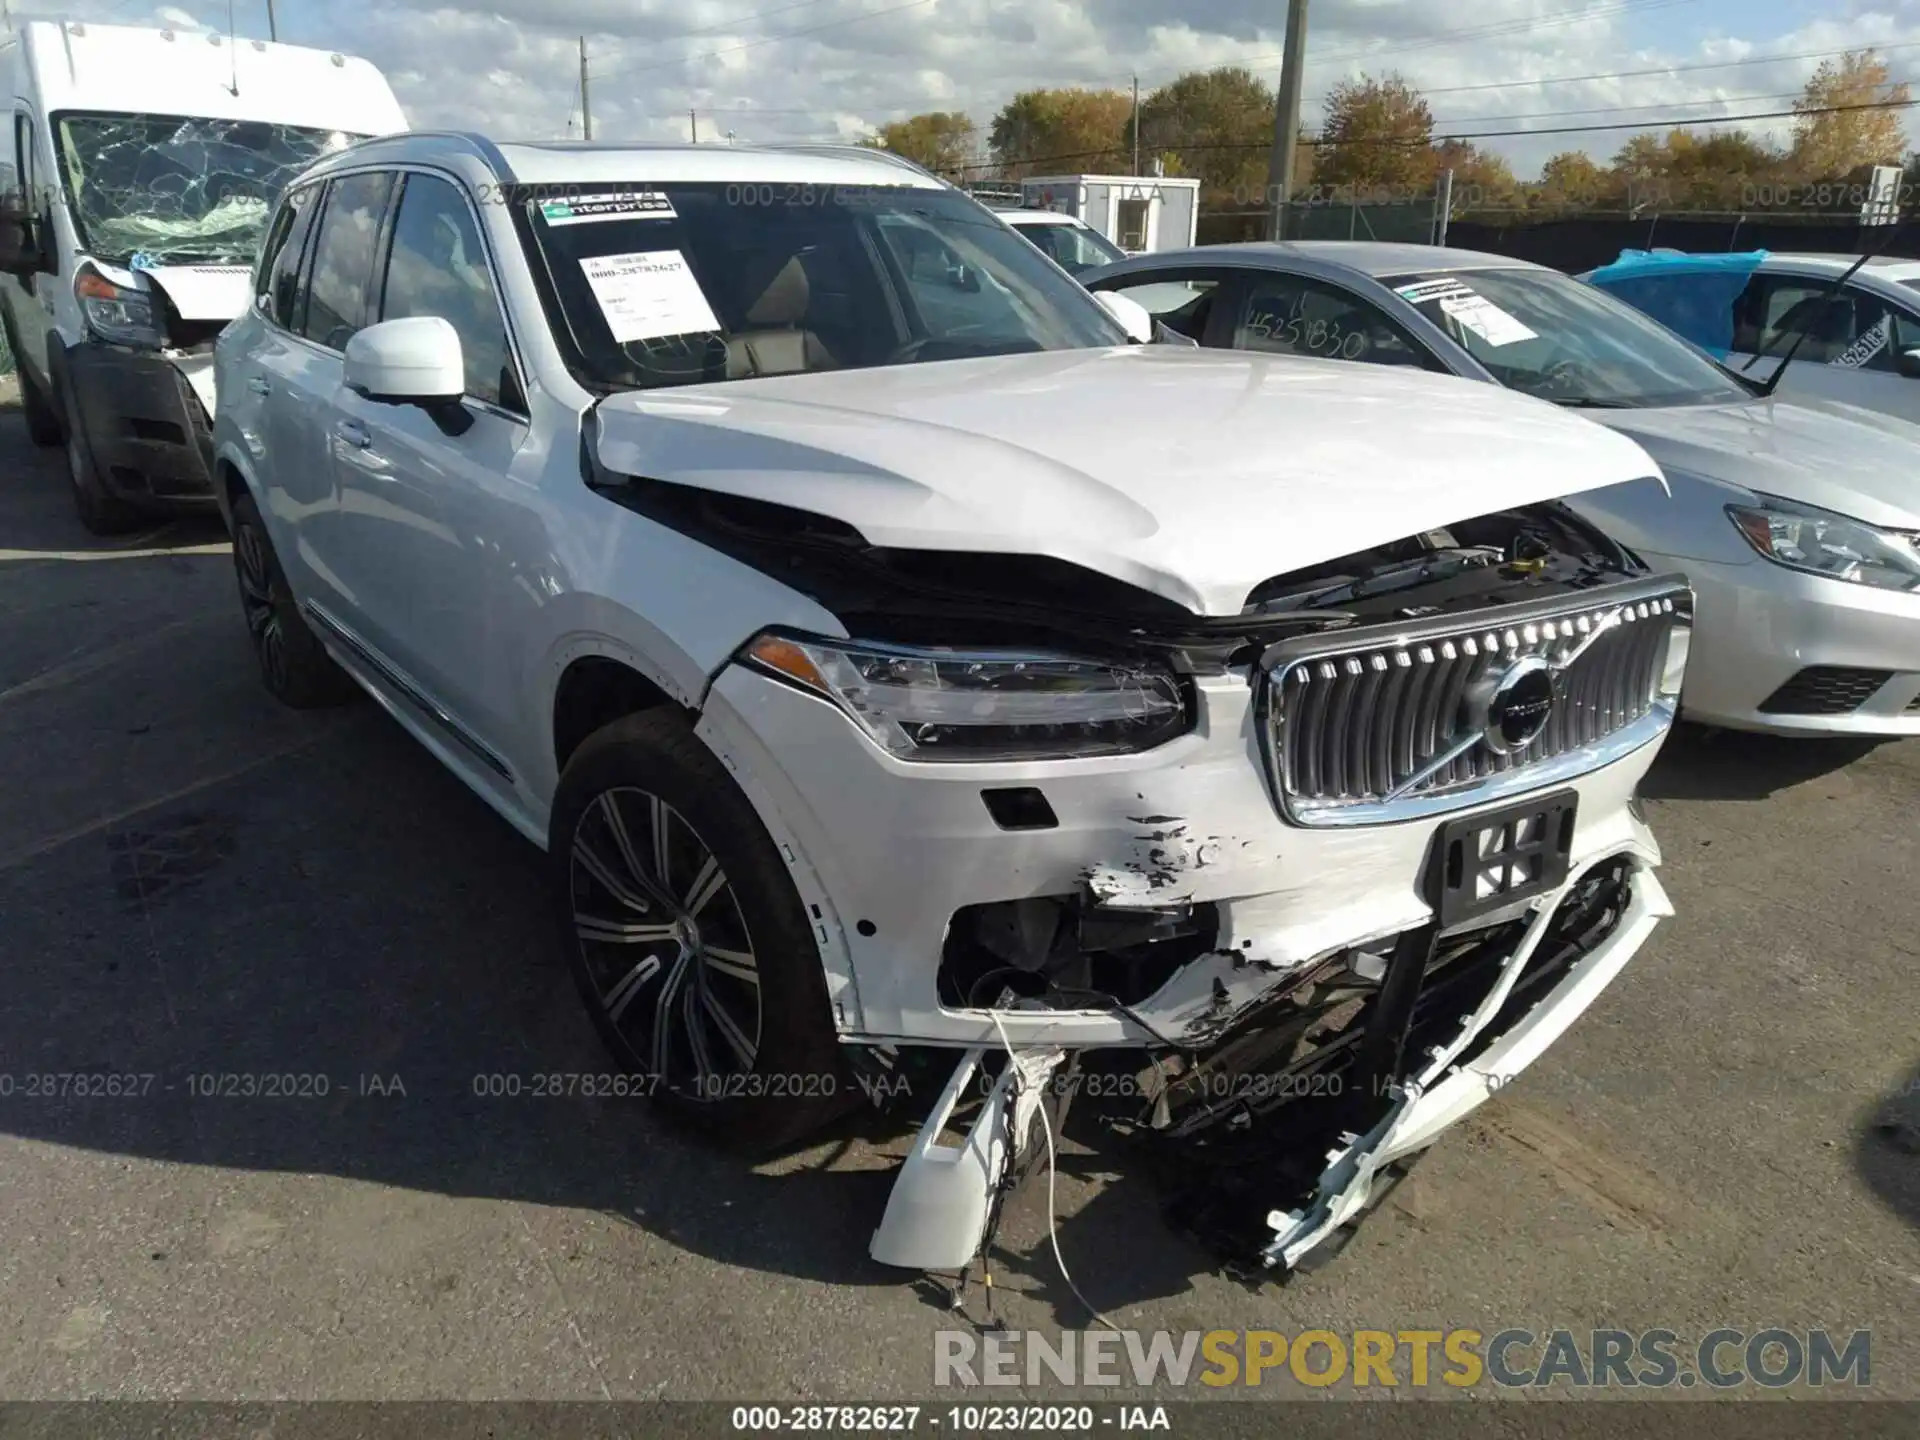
{"x": 150, "y": 435}
{"x": 1285, "y": 1136}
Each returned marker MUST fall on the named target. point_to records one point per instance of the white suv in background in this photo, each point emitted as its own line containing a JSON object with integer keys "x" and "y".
{"x": 904, "y": 670}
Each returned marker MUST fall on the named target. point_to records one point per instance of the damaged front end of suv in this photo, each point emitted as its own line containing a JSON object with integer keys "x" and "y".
{"x": 1303, "y": 883}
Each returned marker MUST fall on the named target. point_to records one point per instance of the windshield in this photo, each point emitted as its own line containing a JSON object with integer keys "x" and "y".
{"x": 680, "y": 284}
{"x": 1073, "y": 247}
{"x": 1547, "y": 335}
{"x": 174, "y": 188}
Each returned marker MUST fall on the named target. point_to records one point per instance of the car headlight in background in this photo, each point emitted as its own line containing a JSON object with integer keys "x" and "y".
{"x": 1823, "y": 543}
{"x": 115, "y": 313}
{"x": 931, "y": 704}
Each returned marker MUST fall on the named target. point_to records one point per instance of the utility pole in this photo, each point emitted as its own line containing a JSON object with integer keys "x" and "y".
{"x": 693, "y": 127}
{"x": 1136, "y": 124}
{"x": 586, "y": 108}
{"x": 273, "y": 30}
{"x": 1286, "y": 117}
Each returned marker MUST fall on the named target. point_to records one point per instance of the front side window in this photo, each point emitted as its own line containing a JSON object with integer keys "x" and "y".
{"x": 277, "y": 280}
{"x": 23, "y": 160}
{"x": 1295, "y": 315}
{"x": 1182, "y": 303}
{"x": 438, "y": 266}
{"x": 1548, "y": 335}
{"x": 683, "y": 284}
{"x": 180, "y": 188}
{"x": 343, "y": 258}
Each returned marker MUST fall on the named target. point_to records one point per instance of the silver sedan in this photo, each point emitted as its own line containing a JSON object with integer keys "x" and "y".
{"x": 1798, "y": 521}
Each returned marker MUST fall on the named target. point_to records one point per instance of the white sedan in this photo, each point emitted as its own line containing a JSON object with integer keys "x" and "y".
{"x": 1798, "y": 522}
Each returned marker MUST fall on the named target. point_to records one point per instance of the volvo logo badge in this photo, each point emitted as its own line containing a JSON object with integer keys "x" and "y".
{"x": 1518, "y": 705}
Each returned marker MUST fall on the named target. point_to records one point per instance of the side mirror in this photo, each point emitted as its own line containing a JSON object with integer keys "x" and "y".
{"x": 19, "y": 242}
{"x": 1908, "y": 363}
{"x": 416, "y": 361}
{"x": 1131, "y": 314}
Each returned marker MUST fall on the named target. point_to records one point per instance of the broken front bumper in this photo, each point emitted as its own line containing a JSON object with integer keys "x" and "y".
{"x": 1442, "y": 1088}
{"x": 889, "y": 855}
{"x": 145, "y": 423}
{"x": 892, "y": 857}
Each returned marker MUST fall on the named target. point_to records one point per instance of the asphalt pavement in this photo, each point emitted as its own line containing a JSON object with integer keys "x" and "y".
{"x": 195, "y": 882}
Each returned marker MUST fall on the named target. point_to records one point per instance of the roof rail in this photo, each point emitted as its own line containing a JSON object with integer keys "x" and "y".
{"x": 867, "y": 152}
{"x": 482, "y": 147}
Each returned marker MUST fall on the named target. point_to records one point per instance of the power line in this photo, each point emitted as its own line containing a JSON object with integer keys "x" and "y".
{"x": 1672, "y": 123}
{"x": 723, "y": 26}
{"x": 1498, "y": 28}
{"x": 1622, "y": 109}
{"x": 1493, "y": 30}
{"x": 767, "y": 40}
{"x": 1660, "y": 70}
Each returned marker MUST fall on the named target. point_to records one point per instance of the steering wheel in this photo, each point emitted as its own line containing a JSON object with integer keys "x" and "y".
{"x": 1562, "y": 377}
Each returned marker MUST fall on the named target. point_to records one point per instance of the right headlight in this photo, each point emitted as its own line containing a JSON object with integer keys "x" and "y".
{"x": 115, "y": 313}
{"x": 1820, "y": 542}
{"x": 938, "y": 704}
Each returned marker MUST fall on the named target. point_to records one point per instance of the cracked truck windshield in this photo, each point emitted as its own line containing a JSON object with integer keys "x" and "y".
{"x": 174, "y": 188}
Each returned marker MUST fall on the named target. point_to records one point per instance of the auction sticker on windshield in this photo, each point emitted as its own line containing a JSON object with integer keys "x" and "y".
{"x": 627, "y": 205}
{"x": 648, "y": 294}
{"x": 1459, "y": 301}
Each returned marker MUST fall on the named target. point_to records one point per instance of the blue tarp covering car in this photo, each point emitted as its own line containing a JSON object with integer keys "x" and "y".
{"x": 1691, "y": 295}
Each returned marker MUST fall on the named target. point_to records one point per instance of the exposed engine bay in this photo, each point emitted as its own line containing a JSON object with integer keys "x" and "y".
{"x": 916, "y": 596}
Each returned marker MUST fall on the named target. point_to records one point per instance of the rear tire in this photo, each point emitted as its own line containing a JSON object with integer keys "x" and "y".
{"x": 690, "y": 946}
{"x": 294, "y": 665}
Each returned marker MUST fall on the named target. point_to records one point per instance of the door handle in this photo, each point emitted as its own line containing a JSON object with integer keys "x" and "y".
{"x": 258, "y": 385}
{"x": 354, "y": 433}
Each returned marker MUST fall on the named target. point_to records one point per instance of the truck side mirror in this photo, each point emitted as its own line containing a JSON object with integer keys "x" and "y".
{"x": 20, "y": 249}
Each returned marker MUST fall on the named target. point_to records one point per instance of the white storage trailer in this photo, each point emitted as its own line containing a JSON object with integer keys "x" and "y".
{"x": 1139, "y": 213}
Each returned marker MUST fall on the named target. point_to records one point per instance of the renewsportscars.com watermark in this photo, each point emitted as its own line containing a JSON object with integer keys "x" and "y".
{"x": 1516, "y": 1359}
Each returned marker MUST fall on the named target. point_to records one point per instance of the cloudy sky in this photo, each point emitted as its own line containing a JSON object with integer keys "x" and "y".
{"x": 832, "y": 69}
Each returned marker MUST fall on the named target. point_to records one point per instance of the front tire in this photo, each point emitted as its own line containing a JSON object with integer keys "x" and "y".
{"x": 690, "y": 946}
{"x": 294, "y": 664}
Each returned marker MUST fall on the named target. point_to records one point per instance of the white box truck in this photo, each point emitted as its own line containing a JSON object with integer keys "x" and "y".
{"x": 138, "y": 174}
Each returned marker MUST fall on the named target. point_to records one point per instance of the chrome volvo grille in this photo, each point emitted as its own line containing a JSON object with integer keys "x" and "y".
{"x": 1436, "y": 715}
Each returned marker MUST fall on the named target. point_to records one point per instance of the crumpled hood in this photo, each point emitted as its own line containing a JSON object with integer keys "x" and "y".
{"x": 1192, "y": 474}
{"x": 1838, "y": 457}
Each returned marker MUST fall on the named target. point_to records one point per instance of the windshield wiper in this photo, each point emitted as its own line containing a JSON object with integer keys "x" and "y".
{"x": 1589, "y": 402}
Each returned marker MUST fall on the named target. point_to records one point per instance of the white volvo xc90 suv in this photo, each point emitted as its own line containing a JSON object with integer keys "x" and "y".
{"x": 911, "y": 677}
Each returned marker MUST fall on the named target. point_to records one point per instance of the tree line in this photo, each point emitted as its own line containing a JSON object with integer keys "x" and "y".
{"x": 1378, "y": 142}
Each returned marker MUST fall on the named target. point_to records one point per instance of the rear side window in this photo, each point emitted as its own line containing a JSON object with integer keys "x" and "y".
{"x": 277, "y": 280}
{"x": 343, "y": 258}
